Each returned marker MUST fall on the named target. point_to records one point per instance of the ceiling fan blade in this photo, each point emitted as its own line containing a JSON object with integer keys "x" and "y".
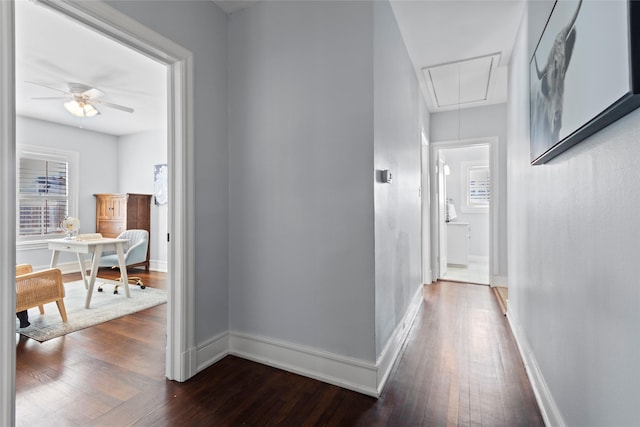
{"x": 48, "y": 87}
{"x": 50, "y": 97}
{"x": 92, "y": 93}
{"x": 116, "y": 106}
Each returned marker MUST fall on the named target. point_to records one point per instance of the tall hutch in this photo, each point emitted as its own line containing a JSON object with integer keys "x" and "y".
{"x": 118, "y": 212}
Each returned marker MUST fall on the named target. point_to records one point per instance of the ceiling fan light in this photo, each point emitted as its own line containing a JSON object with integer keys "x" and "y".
{"x": 80, "y": 109}
{"x": 89, "y": 110}
{"x": 74, "y": 108}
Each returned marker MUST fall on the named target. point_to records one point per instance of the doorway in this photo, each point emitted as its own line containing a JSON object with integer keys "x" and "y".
{"x": 180, "y": 355}
{"x": 463, "y": 214}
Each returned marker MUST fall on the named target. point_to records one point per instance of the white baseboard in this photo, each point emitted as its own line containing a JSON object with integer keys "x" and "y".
{"x": 550, "y": 412}
{"x": 212, "y": 350}
{"x": 429, "y": 278}
{"x": 65, "y": 267}
{"x": 498, "y": 281}
{"x": 350, "y": 373}
{"x": 72, "y": 266}
{"x": 346, "y": 372}
{"x": 158, "y": 265}
{"x": 394, "y": 345}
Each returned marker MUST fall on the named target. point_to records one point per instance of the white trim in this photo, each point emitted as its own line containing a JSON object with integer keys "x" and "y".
{"x": 7, "y": 215}
{"x": 73, "y": 267}
{"x": 72, "y": 159}
{"x": 499, "y": 281}
{"x": 66, "y": 267}
{"x": 212, "y": 350}
{"x": 465, "y": 205}
{"x": 394, "y": 346}
{"x": 550, "y": 412}
{"x": 103, "y": 18}
{"x": 350, "y": 373}
{"x": 346, "y": 372}
{"x": 158, "y": 265}
{"x": 494, "y": 206}
{"x": 425, "y": 212}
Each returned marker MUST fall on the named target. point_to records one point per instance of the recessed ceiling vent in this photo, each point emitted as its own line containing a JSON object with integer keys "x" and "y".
{"x": 461, "y": 83}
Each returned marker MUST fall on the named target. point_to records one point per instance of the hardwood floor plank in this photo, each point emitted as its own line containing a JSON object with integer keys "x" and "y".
{"x": 459, "y": 367}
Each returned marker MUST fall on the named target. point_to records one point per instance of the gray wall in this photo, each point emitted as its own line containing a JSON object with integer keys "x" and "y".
{"x": 480, "y": 122}
{"x": 98, "y": 155}
{"x": 397, "y": 142}
{"x": 138, "y": 153}
{"x": 573, "y": 259}
{"x": 299, "y": 184}
{"x": 108, "y": 164}
{"x": 201, "y": 27}
{"x": 301, "y": 172}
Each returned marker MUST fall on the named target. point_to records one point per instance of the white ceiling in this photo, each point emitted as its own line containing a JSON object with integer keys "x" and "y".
{"x": 53, "y": 50}
{"x": 436, "y": 33}
{"x": 441, "y": 32}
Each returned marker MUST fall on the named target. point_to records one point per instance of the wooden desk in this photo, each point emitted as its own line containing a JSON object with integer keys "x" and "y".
{"x": 95, "y": 248}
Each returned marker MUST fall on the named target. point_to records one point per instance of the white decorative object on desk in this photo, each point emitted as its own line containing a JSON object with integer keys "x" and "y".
{"x": 70, "y": 225}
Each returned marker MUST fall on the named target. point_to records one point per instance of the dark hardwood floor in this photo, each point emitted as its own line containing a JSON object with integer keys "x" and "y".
{"x": 460, "y": 366}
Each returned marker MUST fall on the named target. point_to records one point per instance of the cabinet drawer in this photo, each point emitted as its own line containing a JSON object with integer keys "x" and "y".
{"x": 110, "y": 228}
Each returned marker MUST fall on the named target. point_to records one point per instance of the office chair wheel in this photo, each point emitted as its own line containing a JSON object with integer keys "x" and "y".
{"x": 142, "y": 286}
{"x": 99, "y": 288}
{"x": 115, "y": 290}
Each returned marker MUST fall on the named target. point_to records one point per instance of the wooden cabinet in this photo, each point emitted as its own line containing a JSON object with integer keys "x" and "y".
{"x": 118, "y": 212}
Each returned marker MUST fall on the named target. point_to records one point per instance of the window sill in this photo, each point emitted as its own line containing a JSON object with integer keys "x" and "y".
{"x": 31, "y": 245}
{"x": 474, "y": 209}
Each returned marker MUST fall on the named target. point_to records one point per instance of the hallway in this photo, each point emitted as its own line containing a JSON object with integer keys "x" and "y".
{"x": 460, "y": 366}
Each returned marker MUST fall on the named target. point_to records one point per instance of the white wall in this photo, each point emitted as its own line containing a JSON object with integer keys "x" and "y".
{"x": 301, "y": 175}
{"x": 201, "y": 27}
{"x": 481, "y": 122}
{"x": 397, "y": 140}
{"x": 138, "y": 153}
{"x": 456, "y": 190}
{"x": 573, "y": 262}
{"x": 98, "y": 155}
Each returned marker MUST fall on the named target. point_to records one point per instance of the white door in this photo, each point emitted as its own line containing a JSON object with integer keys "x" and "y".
{"x": 442, "y": 226}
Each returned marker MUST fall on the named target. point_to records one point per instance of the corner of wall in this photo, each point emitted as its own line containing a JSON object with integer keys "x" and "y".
{"x": 550, "y": 412}
{"x": 346, "y": 372}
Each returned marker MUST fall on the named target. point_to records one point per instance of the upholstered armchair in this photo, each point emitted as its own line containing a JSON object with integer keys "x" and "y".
{"x": 36, "y": 289}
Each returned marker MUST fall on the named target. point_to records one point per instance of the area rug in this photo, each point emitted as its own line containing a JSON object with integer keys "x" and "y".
{"x": 104, "y": 306}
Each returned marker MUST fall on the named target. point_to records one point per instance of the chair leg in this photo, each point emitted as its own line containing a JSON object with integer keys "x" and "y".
{"x": 41, "y": 308}
{"x": 62, "y": 309}
{"x": 133, "y": 280}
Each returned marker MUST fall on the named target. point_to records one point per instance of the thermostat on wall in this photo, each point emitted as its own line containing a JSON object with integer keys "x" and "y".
{"x": 386, "y": 176}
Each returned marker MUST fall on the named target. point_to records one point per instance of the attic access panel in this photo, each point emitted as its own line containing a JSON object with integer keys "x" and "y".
{"x": 461, "y": 82}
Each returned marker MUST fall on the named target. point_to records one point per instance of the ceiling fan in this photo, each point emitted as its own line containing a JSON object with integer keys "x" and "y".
{"x": 82, "y": 99}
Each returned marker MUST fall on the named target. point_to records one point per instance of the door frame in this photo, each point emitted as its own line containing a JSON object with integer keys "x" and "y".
{"x": 181, "y": 349}
{"x": 494, "y": 205}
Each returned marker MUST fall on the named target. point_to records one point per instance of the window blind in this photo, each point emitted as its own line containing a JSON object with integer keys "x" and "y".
{"x": 42, "y": 196}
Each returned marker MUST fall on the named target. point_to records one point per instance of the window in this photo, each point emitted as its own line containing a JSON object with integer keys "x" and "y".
{"x": 46, "y": 183}
{"x": 476, "y": 182}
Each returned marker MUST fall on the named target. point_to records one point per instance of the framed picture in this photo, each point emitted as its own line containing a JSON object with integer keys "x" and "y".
{"x": 584, "y": 73}
{"x": 160, "y": 187}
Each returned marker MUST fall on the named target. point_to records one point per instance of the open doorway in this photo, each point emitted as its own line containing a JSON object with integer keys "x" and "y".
{"x": 114, "y": 152}
{"x": 180, "y": 336}
{"x": 462, "y": 209}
